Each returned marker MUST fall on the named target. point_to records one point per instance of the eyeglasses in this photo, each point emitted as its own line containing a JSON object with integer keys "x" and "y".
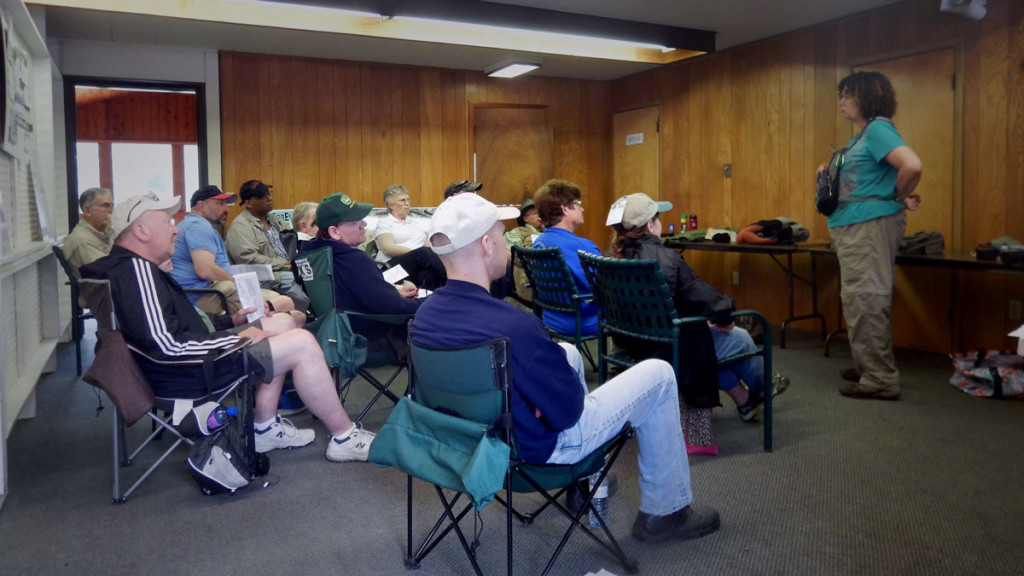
{"x": 106, "y": 205}
{"x": 576, "y": 203}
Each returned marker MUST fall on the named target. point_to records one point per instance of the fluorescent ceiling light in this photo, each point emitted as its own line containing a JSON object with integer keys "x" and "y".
{"x": 512, "y": 70}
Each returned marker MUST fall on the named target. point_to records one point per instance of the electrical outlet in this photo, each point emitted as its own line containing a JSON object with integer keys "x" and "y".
{"x": 736, "y": 282}
{"x": 1013, "y": 310}
{"x": 727, "y": 170}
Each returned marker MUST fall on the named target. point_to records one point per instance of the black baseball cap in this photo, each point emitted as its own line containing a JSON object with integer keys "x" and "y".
{"x": 460, "y": 186}
{"x": 210, "y": 192}
{"x": 253, "y": 189}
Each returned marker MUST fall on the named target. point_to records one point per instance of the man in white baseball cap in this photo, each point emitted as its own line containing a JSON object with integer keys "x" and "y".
{"x": 555, "y": 419}
{"x": 156, "y": 317}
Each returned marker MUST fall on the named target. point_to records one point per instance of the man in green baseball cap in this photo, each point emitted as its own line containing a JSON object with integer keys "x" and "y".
{"x": 359, "y": 286}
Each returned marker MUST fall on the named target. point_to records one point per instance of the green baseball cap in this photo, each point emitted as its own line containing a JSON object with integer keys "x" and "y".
{"x": 339, "y": 207}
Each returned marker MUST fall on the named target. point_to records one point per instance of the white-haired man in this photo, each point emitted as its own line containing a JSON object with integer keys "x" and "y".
{"x": 555, "y": 419}
{"x": 156, "y": 316}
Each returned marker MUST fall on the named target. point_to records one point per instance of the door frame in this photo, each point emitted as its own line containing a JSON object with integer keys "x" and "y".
{"x": 71, "y": 126}
{"x": 958, "y": 106}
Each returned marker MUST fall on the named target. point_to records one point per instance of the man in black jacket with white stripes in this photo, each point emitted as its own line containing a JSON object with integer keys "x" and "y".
{"x": 156, "y": 316}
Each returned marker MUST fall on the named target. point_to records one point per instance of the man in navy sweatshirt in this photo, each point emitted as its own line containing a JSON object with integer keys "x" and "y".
{"x": 555, "y": 419}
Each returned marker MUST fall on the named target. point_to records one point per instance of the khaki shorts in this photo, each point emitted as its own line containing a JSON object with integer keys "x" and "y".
{"x": 259, "y": 352}
{"x": 211, "y": 303}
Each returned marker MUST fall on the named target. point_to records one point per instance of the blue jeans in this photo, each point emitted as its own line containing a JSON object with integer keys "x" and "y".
{"x": 646, "y": 396}
{"x": 750, "y": 371}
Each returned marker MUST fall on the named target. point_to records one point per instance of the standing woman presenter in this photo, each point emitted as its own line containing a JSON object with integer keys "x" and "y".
{"x": 877, "y": 185}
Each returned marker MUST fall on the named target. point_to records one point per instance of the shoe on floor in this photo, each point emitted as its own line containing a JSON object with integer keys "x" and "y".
{"x": 780, "y": 384}
{"x": 289, "y": 405}
{"x": 751, "y": 408}
{"x": 850, "y": 374}
{"x": 574, "y": 496}
{"x": 354, "y": 446}
{"x": 282, "y": 434}
{"x": 858, "y": 391}
{"x": 685, "y": 524}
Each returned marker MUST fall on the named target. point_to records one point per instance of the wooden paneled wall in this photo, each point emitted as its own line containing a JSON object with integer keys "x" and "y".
{"x": 769, "y": 108}
{"x": 314, "y": 127}
{"x": 134, "y": 116}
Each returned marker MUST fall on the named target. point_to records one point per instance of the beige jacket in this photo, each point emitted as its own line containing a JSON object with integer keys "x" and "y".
{"x": 247, "y": 241}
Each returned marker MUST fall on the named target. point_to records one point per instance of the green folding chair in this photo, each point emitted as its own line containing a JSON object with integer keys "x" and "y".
{"x": 474, "y": 383}
{"x": 316, "y": 271}
{"x": 555, "y": 290}
{"x": 633, "y": 300}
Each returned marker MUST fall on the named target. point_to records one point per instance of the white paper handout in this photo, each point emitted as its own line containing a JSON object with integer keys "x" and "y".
{"x": 247, "y": 285}
{"x": 395, "y": 274}
{"x": 264, "y": 273}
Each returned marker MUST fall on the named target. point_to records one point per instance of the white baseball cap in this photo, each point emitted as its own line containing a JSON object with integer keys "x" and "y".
{"x": 635, "y": 210}
{"x": 465, "y": 218}
{"x": 129, "y": 210}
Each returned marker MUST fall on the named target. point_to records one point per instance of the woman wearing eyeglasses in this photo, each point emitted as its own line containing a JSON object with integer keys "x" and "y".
{"x": 402, "y": 241}
{"x": 561, "y": 210}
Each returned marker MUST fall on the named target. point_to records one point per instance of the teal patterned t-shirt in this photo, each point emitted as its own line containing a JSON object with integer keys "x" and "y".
{"x": 866, "y": 174}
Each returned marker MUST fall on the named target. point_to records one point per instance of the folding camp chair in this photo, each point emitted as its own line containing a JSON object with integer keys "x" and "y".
{"x": 633, "y": 300}
{"x": 475, "y": 384}
{"x": 78, "y": 314}
{"x": 555, "y": 290}
{"x": 116, "y": 371}
{"x": 316, "y": 270}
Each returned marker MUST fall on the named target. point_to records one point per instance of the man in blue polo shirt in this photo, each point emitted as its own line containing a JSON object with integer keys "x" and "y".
{"x": 560, "y": 208}
{"x": 555, "y": 419}
{"x": 201, "y": 261}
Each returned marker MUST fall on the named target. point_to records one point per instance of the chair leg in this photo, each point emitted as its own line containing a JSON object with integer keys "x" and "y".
{"x": 382, "y": 389}
{"x": 508, "y": 518}
{"x": 582, "y": 346}
{"x": 77, "y": 330}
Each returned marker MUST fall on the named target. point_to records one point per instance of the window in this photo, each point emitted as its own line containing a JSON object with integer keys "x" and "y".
{"x": 88, "y": 165}
{"x": 141, "y": 168}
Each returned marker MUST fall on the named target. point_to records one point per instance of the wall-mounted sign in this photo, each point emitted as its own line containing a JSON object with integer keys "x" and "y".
{"x": 634, "y": 139}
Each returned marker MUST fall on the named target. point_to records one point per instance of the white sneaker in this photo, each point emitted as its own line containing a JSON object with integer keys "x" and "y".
{"x": 282, "y": 434}
{"x": 353, "y": 447}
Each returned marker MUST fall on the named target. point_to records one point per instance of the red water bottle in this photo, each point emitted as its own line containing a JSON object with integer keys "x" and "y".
{"x": 693, "y": 221}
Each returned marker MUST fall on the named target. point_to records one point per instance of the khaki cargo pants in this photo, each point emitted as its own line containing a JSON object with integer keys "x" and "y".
{"x": 867, "y": 256}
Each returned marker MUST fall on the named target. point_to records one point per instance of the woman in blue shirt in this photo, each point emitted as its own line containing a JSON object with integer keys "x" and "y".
{"x": 876, "y": 183}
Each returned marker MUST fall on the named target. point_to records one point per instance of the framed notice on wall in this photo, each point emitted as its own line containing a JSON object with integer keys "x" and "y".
{"x": 18, "y": 122}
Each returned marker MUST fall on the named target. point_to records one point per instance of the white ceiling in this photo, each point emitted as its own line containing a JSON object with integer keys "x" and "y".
{"x": 735, "y": 21}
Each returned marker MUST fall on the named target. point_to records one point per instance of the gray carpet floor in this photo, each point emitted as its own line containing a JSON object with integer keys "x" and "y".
{"x": 932, "y": 484}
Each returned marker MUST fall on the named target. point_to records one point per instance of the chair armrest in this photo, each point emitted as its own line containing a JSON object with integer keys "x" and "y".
{"x": 198, "y": 360}
{"x": 220, "y": 295}
{"x": 587, "y": 298}
{"x": 765, "y": 329}
{"x": 396, "y": 319}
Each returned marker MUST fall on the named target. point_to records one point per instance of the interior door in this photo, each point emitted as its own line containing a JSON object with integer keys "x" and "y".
{"x": 925, "y": 91}
{"x": 925, "y": 118}
{"x": 636, "y": 152}
{"x": 513, "y": 151}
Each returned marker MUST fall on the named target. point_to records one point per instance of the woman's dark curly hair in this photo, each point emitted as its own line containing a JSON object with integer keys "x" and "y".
{"x": 874, "y": 94}
{"x": 550, "y": 198}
